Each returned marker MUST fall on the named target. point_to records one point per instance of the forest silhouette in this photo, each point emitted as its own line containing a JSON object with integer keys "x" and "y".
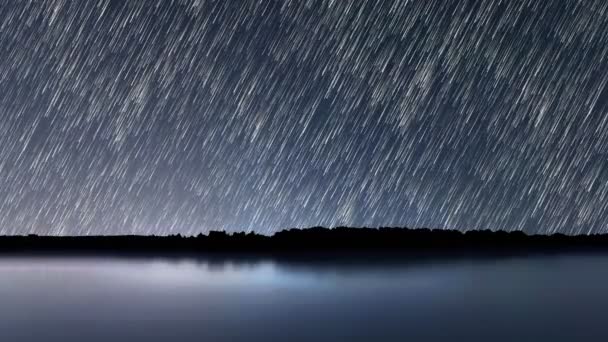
{"x": 313, "y": 241}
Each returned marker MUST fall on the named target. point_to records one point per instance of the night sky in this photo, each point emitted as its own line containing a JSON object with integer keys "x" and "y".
{"x": 166, "y": 117}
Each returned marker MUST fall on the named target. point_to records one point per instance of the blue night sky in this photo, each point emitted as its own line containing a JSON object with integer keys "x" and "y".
{"x": 183, "y": 116}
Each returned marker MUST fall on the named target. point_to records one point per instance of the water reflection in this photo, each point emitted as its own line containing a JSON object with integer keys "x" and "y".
{"x": 103, "y": 299}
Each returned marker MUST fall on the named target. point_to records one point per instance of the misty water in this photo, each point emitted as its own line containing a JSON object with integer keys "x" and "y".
{"x": 550, "y": 298}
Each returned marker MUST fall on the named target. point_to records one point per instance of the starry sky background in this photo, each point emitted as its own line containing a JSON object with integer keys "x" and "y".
{"x": 183, "y": 116}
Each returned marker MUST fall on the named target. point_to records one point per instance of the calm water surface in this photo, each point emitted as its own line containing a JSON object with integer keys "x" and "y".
{"x": 552, "y": 298}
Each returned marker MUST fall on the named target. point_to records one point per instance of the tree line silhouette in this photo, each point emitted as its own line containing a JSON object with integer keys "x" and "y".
{"x": 312, "y": 240}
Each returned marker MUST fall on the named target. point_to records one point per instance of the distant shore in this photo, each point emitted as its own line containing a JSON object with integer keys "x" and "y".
{"x": 313, "y": 242}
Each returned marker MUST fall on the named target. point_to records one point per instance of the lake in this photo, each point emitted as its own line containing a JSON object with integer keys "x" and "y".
{"x": 541, "y": 298}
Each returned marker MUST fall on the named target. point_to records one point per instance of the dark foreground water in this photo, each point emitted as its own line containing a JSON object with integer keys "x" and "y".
{"x": 551, "y": 298}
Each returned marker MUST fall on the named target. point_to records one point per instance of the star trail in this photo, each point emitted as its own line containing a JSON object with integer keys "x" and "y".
{"x": 165, "y": 117}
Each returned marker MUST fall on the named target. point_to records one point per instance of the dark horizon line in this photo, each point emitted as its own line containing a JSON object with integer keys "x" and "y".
{"x": 315, "y": 241}
{"x": 282, "y": 231}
